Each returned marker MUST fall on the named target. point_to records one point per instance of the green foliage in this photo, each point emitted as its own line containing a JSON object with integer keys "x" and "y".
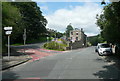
{"x": 38, "y": 40}
{"x": 17, "y": 44}
{"x": 10, "y": 14}
{"x": 58, "y": 34}
{"x": 21, "y": 15}
{"x": 109, "y": 22}
{"x": 64, "y": 42}
{"x": 32, "y": 19}
{"x": 89, "y": 44}
{"x": 94, "y": 40}
{"x": 10, "y": 17}
{"x": 55, "y": 46}
{"x": 68, "y": 29}
{"x": 54, "y": 33}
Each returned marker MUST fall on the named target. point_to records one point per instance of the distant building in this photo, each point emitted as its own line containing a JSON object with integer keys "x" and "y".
{"x": 78, "y": 35}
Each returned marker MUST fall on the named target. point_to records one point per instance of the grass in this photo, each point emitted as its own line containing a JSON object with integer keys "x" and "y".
{"x": 17, "y": 44}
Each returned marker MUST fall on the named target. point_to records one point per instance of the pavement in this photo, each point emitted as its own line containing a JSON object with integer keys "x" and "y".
{"x": 13, "y": 61}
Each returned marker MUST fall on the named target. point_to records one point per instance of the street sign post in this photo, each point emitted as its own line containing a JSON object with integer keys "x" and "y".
{"x": 8, "y": 31}
{"x": 7, "y": 28}
{"x": 24, "y": 38}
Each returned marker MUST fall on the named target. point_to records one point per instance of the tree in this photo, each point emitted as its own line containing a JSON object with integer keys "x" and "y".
{"x": 10, "y": 17}
{"x": 32, "y": 20}
{"x": 58, "y": 34}
{"x": 109, "y": 22}
{"x": 94, "y": 40}
{"x": 68, "y": 29}
{"x": 21, "y": 15}
{"x": 54, "y": 33}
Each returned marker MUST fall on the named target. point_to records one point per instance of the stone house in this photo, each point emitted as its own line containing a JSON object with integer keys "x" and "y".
{"x": 78, "y": 38}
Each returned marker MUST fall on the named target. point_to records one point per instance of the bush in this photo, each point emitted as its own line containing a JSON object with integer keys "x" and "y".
{"x": 55, "y": 46}
{"x": 64, "y": 42}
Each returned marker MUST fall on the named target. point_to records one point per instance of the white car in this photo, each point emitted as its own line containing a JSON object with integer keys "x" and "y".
{"x": 103, "y": 49}
{"x": 96, "y": 48}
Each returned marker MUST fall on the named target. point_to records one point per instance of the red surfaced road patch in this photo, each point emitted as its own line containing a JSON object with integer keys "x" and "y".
{"x": 50, "y": 50}
{"x": 27, "y": 79}
{"x": 36, "y": 54}
{"x": 33, "y": 78}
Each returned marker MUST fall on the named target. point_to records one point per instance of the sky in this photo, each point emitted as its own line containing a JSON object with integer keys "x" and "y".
{"x": 79, "y": 14}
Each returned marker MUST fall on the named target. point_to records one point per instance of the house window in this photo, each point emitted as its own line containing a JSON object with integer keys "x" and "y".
{"x": 76, "y": 38}
{"x": 76, "y": 33}
{"x": 71, "y": 33}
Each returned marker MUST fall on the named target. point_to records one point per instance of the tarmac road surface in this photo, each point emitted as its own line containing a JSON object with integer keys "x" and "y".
{"x": 82, "y": 63}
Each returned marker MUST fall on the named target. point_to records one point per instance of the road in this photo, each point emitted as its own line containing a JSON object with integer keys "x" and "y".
{"x": 76, "y": 64}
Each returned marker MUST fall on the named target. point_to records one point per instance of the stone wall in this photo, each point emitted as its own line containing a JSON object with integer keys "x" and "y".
{"x": 75, "y": 45}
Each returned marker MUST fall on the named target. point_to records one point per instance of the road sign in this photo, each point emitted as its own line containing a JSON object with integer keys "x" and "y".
{"x": 8, "y": 32}
{"x": 7, "y": 28}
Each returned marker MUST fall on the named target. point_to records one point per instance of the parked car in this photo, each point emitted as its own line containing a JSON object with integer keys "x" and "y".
{"x": 96, "y": 48}
{"x": 103, "y": 49}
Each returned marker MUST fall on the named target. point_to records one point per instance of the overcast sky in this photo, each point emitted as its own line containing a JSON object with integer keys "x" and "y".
{"x": 79, "y": 14}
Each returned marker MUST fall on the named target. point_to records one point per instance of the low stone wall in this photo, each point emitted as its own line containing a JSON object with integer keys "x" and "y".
{"x": 75, "y": 45}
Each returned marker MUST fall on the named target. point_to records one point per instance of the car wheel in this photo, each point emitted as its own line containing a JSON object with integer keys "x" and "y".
{"x": 100, "y": 54}
{"x": 96, "y": 51}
